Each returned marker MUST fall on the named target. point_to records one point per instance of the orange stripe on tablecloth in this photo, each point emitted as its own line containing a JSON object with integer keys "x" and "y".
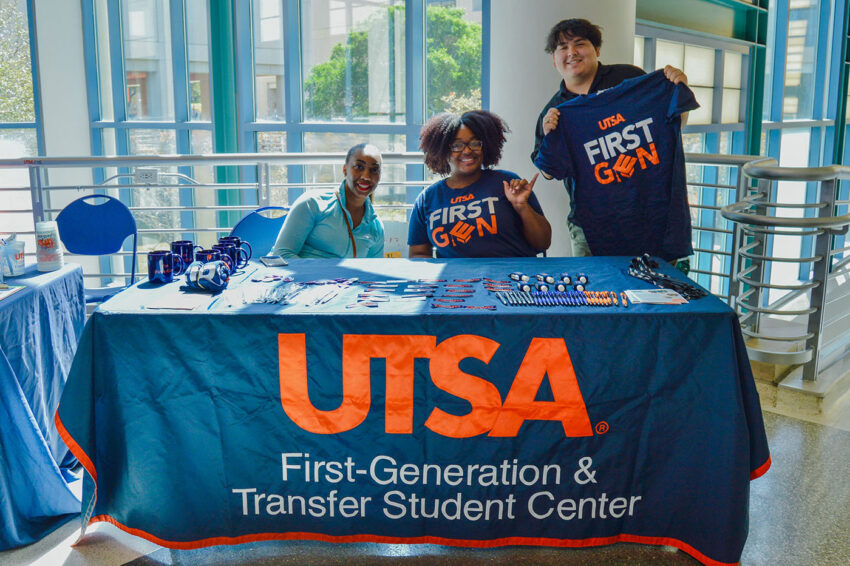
{"x": 506, "y": 541}
{"x": 761, "y": 470}
{"x": 75, "y": 448}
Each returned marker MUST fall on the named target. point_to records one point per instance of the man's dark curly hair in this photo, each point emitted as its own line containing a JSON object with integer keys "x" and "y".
{"x": 574, "y": 27}
{"x": 439, "y": 132}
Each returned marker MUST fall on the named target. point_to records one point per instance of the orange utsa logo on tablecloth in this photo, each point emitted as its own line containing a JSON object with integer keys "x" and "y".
{"x": 544, "y": 357}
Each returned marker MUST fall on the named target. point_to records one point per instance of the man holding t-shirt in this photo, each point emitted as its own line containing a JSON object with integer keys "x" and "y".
{"x": 575, "y": 47}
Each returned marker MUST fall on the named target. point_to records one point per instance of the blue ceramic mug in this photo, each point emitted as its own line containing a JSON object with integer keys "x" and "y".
{"x": 238, "y": 256}
{"x": 185, "y": 249}
{"x": 163, "y": 266}
{"x": 239, "y": 243}
{"x": 205, "y": 256}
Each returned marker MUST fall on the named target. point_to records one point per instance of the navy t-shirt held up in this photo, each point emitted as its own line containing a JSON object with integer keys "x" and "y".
{"x": 623, "y": 147}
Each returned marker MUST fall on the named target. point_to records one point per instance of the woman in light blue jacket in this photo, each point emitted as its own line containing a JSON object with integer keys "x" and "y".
{"x": 339, "y": 223}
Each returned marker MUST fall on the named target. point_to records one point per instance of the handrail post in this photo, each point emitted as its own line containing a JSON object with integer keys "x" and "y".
{"x": 37, "y": 194}
{"x": 820, "y": 275}
{"x": 263, "y": 177}
{"x": 758, "y": 274}
{"x": 735, "y": 286}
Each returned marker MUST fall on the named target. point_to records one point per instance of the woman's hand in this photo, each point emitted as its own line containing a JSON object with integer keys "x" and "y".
{"x": 518, "y": 191}
{"x": 550, "y": 120}
{"x": 535, "y": 227}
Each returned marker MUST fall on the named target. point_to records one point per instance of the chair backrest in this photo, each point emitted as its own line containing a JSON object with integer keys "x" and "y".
{"x": 259, "y": 230}
{"x": 89, "y": 227}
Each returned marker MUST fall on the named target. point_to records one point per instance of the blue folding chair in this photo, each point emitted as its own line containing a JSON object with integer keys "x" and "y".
{"x": 260, "y": 230}
{"x": 97, "y": 228}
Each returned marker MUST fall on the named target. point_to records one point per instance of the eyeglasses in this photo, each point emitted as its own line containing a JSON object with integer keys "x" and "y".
{"x": 474, "y": 145}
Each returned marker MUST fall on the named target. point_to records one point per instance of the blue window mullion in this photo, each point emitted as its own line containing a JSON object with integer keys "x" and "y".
{"x": 821, "y": 68}
{"x": 180, "y": 84}
{"x": 179, "y": 60}
{"x": 244, "y": 73}
{"x": 244, "y": 55}
{"x": 293, "y": 90}
{"x": 415, "y": 101}
{"x": 486, "y": 26}
{"x": 92, "y": 83}
{"x": 36, "y": 90}
{"x": 708, "y": 218}
{"x": 780, "y": 46}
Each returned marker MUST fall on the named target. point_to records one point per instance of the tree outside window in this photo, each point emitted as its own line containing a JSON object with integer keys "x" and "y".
{"x": 339, "y": 88}
{"x": 16, "y": 92}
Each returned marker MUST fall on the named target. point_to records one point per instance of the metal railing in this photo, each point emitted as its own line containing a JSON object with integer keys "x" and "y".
{"x": 196, "y": 213}
{"x": 177, "y": 194}
{"x": 760, "y": 220}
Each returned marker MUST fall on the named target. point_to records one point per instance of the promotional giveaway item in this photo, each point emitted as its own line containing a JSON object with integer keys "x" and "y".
{"x": 225, "y": 256}
{"x": 48, "y": 252}
{"x": 643, "y": 267}
{"x": 204, "y": 256}
{"x": 185, "y": 249}
{"x": 12, "y": 256}
{"x": 239, "y": 243}
{"x": 163, "y": 266}
{"x": 238, "y": 256}
{"x": 211, "y": 276}
{"x": 273, "y": 261}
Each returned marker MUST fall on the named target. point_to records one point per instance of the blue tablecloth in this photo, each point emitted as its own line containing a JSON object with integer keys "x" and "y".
{"x": 355, "y": 414}
{"x": 39, "y": 329}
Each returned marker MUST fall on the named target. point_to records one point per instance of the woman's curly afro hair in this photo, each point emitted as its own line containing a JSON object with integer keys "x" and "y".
{"x": 439, "y": 132}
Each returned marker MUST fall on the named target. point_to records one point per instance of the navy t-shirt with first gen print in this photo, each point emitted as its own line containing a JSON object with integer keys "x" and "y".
{"x": 623, "y": 147}
{"x": 475, "y": 221}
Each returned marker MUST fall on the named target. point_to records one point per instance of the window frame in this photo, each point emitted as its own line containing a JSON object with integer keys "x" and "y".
{"x": 36, "y": 123}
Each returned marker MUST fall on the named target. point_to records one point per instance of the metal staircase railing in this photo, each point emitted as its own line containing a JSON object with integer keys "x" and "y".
{"x": 760, "y": 223}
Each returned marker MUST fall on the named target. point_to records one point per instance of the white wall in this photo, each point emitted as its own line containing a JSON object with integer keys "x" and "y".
{"x": 522, "y": 80}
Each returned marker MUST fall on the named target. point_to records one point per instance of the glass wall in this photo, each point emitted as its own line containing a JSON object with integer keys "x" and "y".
{"x": 804, "y": 69}
{"x": 19, "y": 117}
{"x": 453, "y": 56}
{"x": 310, "y": 76}
{"x": 328, "y": 74}
{"x": 352, "y": 60}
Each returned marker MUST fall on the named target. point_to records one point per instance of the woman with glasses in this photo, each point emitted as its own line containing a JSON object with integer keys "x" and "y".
{"x": 338, "y": 223}
{"x": 476, "y": 211}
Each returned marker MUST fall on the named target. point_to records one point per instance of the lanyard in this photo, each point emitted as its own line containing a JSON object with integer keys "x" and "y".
{"x": 347, "y": 224}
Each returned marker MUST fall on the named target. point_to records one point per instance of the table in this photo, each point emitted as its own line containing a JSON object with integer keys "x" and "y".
{"x": 332, "y": 420}
{"x": 39, "y": 329}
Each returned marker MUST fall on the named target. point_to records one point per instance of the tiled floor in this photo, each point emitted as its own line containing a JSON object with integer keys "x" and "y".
{"x": 799, "y": 516}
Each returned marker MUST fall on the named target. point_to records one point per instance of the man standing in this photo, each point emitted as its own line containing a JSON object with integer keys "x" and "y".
{"x": 575, "y": 46}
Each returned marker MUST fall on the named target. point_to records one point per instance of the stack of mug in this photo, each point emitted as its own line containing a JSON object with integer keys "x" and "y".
{"x": 205, "y": 269}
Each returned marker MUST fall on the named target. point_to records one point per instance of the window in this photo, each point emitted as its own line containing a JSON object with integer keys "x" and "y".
{"x": 311, "y": 76}
{"x": 19, "y": 117}
{"x": 453, "y": 57}
{"x": 18, "y": 132}
{"x": 353, "y": 60}
{"x": 270, "y": 103}
{"x": 151, "y": 69}
{"x": 147, "y": 60}
{"x": 802, "y": 39}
